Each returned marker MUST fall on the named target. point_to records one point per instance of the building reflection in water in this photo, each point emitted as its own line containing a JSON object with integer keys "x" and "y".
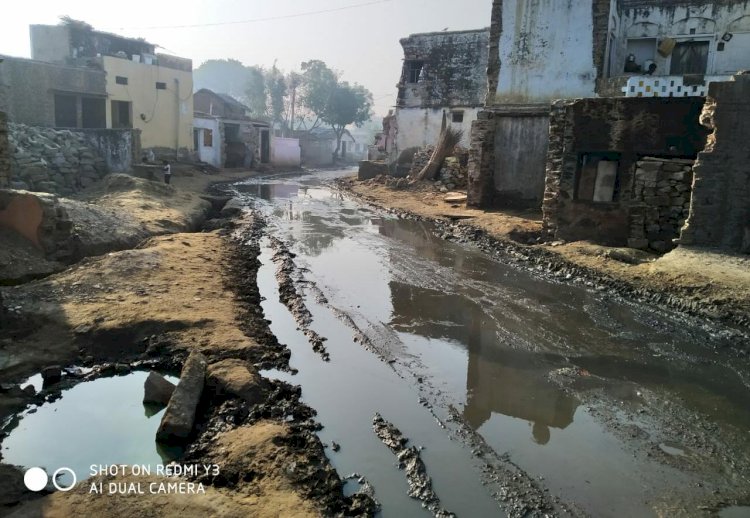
{"x": 498, "y": 379}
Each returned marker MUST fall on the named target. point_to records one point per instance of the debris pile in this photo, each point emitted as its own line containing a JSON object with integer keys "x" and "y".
{"x": 51, "y": 160}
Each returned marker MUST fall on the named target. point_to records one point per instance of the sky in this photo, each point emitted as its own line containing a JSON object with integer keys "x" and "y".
{"x": 359, "y": 38}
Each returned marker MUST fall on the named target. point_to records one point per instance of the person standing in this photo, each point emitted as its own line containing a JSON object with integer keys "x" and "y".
{"x": 167, "y": 169}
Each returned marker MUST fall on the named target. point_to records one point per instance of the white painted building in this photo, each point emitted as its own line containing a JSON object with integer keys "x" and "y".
{"x": 543, "y": 50}
{"x": 443, "y": 81}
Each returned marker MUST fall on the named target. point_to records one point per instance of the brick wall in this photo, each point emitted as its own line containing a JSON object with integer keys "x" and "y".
{"x": 720, "y": 206}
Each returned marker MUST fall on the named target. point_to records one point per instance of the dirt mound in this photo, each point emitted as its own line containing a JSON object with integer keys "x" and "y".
{"x": 124, "y": 182}
{"x": 20, "y": 260}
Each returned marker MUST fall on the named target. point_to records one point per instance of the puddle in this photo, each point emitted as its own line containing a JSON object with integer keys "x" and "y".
{"x": 470, "y": 332}
{"x": 672, "y": 449}
{"x": 80, "y": 429}
{"x": 736, "y": 511}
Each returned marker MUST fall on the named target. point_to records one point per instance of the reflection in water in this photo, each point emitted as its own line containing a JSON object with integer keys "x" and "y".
{"x": 498, "y": 379}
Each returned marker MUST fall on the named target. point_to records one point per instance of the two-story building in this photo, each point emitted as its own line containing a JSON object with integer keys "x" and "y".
{"x": 443, "y": 81}
{"x": 540, "y": 51}
{"x": 82, "y": 78}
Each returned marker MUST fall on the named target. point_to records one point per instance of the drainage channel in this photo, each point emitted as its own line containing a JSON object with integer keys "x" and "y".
{"x": 611, "y": 408}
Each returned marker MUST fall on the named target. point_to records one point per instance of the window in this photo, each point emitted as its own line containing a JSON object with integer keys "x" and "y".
{"x": 414, "y": 71}
{"x": 93, "y": 112}
{"x": 457, "y": 117}
{"x": 597, "y": 178}
{"x": 121, "y": 114}
{"x": 66, "y": 111}
{"x": 120, "y": 80}
{"x": 643, "y": 50}
{"x": 208, "y": 138}
{"x": 689, "y": 57}
{"x": 161, "y": 86}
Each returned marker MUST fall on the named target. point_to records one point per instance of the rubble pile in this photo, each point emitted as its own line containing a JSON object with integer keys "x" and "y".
{"x": 453, "y": 174}
{"x": 661, "y": 202}
{"x": 50, "y": 160}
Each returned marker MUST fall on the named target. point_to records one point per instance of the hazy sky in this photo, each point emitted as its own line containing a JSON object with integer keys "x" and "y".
{"x": 362, "y": 42}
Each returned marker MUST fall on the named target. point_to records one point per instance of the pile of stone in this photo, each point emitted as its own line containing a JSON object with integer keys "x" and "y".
{"x": 453, "y": 173}
{"x": 50, "y": 160}
{"x": 661, "y": 202}
{"x": 421, "y": 157}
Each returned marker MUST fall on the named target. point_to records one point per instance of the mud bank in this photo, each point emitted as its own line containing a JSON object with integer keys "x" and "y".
{"x": 692, "y": 297}
{"x": 149, "y": 308}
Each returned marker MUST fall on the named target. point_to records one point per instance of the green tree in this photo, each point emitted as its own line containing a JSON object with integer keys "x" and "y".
{"x": 348, "y": 104}
{"x": 255, "y": 92}
{"x": 333, "y": 102}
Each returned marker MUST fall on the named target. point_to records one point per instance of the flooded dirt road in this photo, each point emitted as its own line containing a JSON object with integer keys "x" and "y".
{"x": 522, "y": 395}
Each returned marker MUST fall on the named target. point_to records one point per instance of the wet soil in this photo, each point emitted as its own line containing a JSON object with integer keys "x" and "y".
{"x": 555, "y": 396}
{"x": 148, "y": 308}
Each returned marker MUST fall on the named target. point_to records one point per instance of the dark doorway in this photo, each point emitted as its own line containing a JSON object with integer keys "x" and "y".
{"x": 66, "y": 115}
{"x": 121, "y": 114}
{"x": 235, "y": 147}
{"x": 93, "y": 112}
{"x": 265, "y": 146}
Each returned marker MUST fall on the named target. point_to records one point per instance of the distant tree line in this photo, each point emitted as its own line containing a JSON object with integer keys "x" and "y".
{"x": 313, "y": 97}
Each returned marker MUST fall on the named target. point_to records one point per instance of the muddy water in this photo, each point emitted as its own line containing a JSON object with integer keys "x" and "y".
{"x": 613, "y": 408}
{"x": 80, "y": 429}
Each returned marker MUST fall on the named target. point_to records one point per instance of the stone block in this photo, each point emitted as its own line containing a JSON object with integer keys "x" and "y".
{"x": 179, "y": 417}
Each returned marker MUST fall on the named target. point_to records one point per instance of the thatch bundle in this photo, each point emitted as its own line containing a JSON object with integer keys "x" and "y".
{"x": 449, "y": 139}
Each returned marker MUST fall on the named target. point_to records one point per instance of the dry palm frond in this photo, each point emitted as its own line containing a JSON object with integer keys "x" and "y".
{"x": 448, "y": 140}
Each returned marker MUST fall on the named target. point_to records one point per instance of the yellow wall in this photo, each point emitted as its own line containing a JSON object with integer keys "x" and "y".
{"x": 159, "y": 107}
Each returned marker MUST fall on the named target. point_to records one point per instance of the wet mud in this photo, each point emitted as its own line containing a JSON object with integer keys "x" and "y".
{"x": 420, "y": 485}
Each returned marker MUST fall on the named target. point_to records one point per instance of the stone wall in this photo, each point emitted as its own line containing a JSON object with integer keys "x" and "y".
{"x": 623, "y": 130}
{"x": 660, "y": 204}
{"x": 720, "y": 206}
{"x": 64, "y": 161}
{"x": 481, "y": 187}
{"x": 453, "y": 72}
{"x": 4, "y": 152}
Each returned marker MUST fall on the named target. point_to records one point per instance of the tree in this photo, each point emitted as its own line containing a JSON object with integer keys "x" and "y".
{"x": 255, "y": 92}
{"x": 333, "y": 102}
{"x": 348, "y": 104}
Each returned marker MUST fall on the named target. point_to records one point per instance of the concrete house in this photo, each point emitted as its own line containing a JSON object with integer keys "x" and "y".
{"x": 226, "y": 136}
{"x": 444, "y": 76}
{"x": 541, "y": 51}
{"x": 143, "y": 89}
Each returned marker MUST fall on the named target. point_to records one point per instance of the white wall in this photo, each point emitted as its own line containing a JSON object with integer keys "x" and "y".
{"x": 285, "y": 152}
{"x": 546, "y": 51}
{"x": 210, "y": 155}
{"x": 708, "y": 22}
{"x": 419, "y": 127}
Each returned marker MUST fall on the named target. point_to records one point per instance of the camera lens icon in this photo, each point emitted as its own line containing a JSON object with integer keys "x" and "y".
{"x": 36, "y": 479}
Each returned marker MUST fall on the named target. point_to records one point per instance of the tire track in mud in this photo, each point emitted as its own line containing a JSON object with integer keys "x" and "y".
{"x": 420, "y": 484}
{"x": 292, "y": 298}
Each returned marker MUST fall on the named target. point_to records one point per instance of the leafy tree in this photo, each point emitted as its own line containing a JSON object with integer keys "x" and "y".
{"x": 348, "y": 104}
{"x": 333, "y": 102}
{"x": 276, "y": 91}
{"x": 255, "y": 92}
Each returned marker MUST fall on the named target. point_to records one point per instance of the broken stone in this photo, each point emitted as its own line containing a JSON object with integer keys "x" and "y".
{"x": 157, "y": 389}
{"x": 232, "y": 208}
{"x": 235, "y": 378}
{"x": 179, "y": 417}
{"x": 51, "y": 374}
